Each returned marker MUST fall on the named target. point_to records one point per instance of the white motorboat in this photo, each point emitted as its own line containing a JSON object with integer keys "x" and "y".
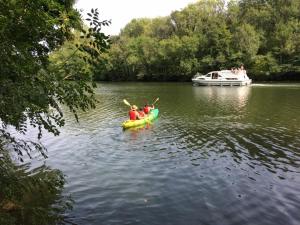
{"x": 223, "y": 78}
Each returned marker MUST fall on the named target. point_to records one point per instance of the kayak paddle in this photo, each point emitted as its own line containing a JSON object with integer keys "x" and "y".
{"x": 155, "y": 101}
{"x": 126, "y": 102}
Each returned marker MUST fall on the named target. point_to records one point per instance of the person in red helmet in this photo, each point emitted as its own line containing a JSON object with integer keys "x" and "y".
{"x": 148, "y": 108}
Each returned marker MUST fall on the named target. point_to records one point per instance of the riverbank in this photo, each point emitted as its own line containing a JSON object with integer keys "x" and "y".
{"x": 267, "y": 77}
{"x": 279, "y": 77}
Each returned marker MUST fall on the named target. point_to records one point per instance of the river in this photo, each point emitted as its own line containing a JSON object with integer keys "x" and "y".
{"x": 215, "y": 155}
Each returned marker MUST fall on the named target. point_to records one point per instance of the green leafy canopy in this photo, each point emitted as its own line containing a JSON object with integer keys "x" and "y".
{"x": 208, "y": 35}
{"x": 32, "y": 89}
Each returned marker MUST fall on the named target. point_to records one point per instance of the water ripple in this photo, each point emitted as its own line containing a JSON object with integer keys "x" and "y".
{"x": 214, "y": 156}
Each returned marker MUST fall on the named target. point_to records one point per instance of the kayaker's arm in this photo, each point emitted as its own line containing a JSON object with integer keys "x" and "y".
{"x": 139, "y": 117}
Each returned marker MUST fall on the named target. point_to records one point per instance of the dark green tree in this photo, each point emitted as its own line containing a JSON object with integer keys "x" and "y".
{"x": 210, "y": 35}
{"x": 33, "y": 89}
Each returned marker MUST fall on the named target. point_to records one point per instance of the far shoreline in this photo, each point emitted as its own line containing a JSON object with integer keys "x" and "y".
{"x": 287, "y": 77}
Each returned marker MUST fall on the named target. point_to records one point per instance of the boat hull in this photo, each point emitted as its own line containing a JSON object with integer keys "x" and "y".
{"x": 222, "y": 82}
{"x": 134, "y": 123}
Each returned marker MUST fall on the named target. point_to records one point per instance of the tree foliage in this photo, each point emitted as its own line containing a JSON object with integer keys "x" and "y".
{"x": 32, "y": 88}
{"x": 37, "y": 77}
{"x": 208, "y": 35}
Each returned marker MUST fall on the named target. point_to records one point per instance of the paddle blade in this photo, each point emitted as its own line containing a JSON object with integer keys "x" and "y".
{"x": 126, "y": 102}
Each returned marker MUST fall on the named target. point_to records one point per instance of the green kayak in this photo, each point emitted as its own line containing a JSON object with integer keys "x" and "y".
{"x": 134, "y": 123}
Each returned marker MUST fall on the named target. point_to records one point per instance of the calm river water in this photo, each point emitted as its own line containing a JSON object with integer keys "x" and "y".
{"x": 215, "y": 155}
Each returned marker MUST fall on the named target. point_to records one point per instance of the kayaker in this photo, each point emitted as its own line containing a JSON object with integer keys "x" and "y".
{"x": 141, "y": 113}
{"x": 133, "y": 113}
{"x": 148, "y": 108}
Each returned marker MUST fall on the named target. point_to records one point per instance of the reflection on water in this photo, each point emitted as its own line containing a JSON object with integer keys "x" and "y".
{"x": 136, "y": 132}
{"x": 240, "y": 94}
{"x": 235, "y": 96}
{"x": 215, "y": 155}
{"x": 31, "y": 196}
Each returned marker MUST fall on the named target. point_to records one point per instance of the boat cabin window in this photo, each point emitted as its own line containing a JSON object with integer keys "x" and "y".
{"x": 214, "y": 75}
{"x": 208, "y": 75}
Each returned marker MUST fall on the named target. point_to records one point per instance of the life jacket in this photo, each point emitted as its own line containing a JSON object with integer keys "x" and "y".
{"x": 132, "y": 115}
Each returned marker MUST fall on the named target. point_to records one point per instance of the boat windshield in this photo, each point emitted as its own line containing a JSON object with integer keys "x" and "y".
{"x": 197, "y": 75}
